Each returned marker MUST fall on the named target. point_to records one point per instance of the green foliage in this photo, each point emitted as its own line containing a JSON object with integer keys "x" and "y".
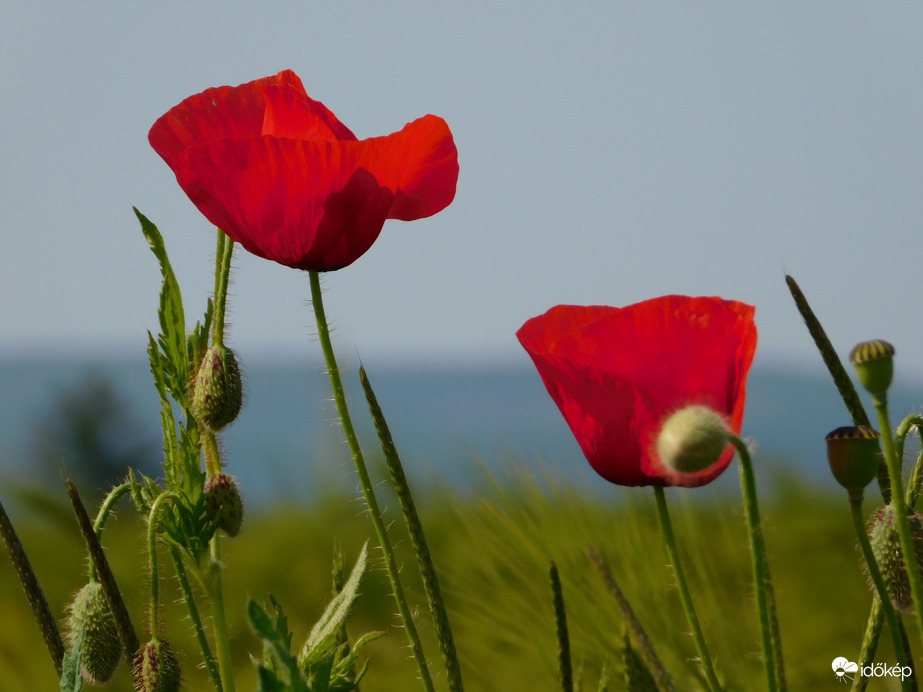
{"x": 327, "y": 662}
{"x": 71, "y": 679}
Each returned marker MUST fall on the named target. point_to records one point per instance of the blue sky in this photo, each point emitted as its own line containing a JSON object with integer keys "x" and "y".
{"x": 609, "y": 152}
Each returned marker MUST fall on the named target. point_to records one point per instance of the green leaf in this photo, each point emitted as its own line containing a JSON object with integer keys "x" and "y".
{"x": 280, "y": 670}
{"x": 172, "y": 318}
{"x": 71, "y": 679}
{"x": 325, "y": 631}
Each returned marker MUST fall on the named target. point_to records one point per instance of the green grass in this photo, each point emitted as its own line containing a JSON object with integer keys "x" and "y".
{"x": 492, "y": 549}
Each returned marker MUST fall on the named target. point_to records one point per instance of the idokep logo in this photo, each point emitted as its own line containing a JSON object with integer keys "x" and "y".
{"x": 842, "y": 667}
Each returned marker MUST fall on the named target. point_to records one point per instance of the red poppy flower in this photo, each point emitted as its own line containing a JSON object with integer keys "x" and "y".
{"x": 617, "y": 373}
{"x": 282, "y": 176}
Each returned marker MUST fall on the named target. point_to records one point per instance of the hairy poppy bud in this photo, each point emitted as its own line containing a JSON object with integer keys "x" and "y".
{"x": 223, "y": 505}
{"x": 217, "y": 391}
{"x": 692, "y": 439}
{"x": 102, "y": 649}
{"x": 156, "y": 668}
{"x": 886, "y": 547}
{"x": 853, "y": 455}
{"x": 874, "y": 363}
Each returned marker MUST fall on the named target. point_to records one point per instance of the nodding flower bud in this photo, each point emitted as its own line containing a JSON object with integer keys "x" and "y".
{"x": 886, "y": 547}
{"x": 874, "y": 364}
{"x": 156, "y": 668}
{"x": 853, "y": 454}
{"x": 102, "y": 649}
{"x": 217, "y": 390}
{"x": 692, "y": 439}
{"x": 223, "y": 505}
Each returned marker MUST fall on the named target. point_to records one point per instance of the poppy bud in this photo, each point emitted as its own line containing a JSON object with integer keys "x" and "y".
{"x": 156, "y": 668}
{"x": 692, "y": 439}
{"x": 102, "y": 649}
{"x": 853, "y": 455}
{"x": 874, "y": 363}
{"x": 886, "y": 547}
{"x": 223, "y": 505}
{"x": 217, "y": 391}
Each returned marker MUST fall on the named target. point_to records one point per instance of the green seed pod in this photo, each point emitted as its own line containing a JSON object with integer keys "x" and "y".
{"x": 217, "y": 391}
{"x": 156, "y": 668}
{"x": 102, "y": 649}
{"x": 853, "y": 454}
{"x": 692, "y": 439}
{"x": 886, "y": 548}
{"x": 223, "y": 505}
{"x": 874, "y": 363}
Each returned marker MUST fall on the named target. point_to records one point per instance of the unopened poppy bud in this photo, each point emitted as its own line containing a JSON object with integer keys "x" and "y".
{"x": 692, "y": 439}
{"x": 874, "y": 363}
{"x": 156, "y": 668}
{"x": 217, "y": 392}
{"x": 886, "y": 547}
{"x": 853, "y": 454}
{"x": 223, "y": 505}
{"x": 101, "y": 650}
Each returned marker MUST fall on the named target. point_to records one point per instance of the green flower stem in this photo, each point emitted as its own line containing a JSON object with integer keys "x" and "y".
{"x": 103, "y": 514}
{"x": 855, "y": 505}
{"x": 762, "y": 581}
{"x": 219, "y": 620}
{"x": 900, "y": 507}
{"x": 222, "y": 273}
{"x": 417, "y": 538}
{"x": 201, "y": 637}
{"x": 685, "y": 595}
{"x": 153, "y": 518}
{"x": 365, "y": 482}
{"x": 212, "y": 453}
{"x": 33, "y": 590}
{"x": 869, "y": 641}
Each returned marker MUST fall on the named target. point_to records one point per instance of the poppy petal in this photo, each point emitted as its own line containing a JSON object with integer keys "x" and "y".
{"x": 217, "y": 113}
{"x": 291, "y": 113}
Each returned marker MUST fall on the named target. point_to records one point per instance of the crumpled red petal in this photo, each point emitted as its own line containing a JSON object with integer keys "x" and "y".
{"x": 320, "y": 204}
{"x": 616, "y": 373}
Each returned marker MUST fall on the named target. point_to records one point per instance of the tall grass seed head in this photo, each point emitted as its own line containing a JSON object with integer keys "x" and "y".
{"x": 874, "y": 364}
{"x": 102, "y": 648}
{"x": 890, "y": 558}
{"x": 692, "y": 439}
{"x": 853, "y": 454}
{"x": 217, "y": 389}
{"x": 223, "y": 505}
{"x": 156, "y": 668}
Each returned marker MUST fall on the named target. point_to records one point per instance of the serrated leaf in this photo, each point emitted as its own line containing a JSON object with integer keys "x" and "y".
{"x": 172, "y": 317}
{"x": 325, "y": 631}
{"x": 281, "y": 667}
{"x": 71, "y": 679}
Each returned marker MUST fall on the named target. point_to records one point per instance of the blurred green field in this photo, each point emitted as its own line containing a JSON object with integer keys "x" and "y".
{"x": 492, "y": 548}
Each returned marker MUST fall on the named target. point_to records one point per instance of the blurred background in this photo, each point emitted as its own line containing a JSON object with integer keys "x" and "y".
{"x": 609, "y": 153}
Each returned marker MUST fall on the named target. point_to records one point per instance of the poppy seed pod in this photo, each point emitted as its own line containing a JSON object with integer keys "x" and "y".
{"x": 217, "y": 391}
{"x": 156, "y": 668}
{"x": 886, "y": 547}
{"x": 853, "y": 454}
{"x": 874, "y": 364}
{"x": 692, "y": 439}
{"x": 223, "y": 505}
{"x": 101, "y": 650}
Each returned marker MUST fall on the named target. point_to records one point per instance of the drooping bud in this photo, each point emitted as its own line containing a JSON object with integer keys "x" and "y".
{"x": 692, "y": 439}
{"x": 874, "y": 363}
{"x": 886, "y": 548}
{"x": 156, "y": 668}
{"x": 217, "y": 391}
{"x": 102, "y": 649}
{"x": 853, "y": 454}
{"x": 223, "y": 505}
